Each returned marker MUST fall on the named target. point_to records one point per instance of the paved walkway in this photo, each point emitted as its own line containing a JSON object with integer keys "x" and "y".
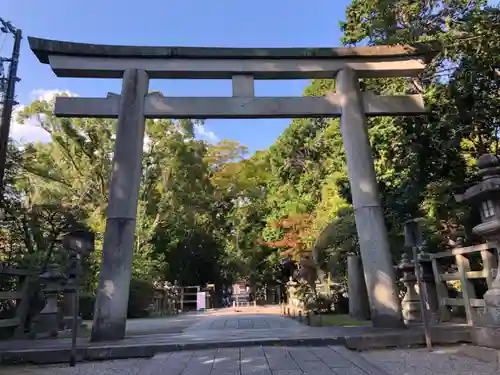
{"x": 223, "y": 322}
{"x": 277, "y": 361}
{"x": 218, "y": 329}
{"x": 229, "y": 361}
{"x": 170, "y": 324}
{"x": 225, "y": 329}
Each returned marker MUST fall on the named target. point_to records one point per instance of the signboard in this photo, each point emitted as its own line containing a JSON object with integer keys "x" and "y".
{"x": 240, "y": 293}
{"x": 240, "y": 288}
{"x": 200, "y": 301}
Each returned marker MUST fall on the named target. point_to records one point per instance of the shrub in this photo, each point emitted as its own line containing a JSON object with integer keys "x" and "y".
{"x": 140, "y": 297}
{"x": 339, "y": 298}
{"x": 86, "y": 308}
{"x": 306, "y": 294}
{"x": 323, "y": 304}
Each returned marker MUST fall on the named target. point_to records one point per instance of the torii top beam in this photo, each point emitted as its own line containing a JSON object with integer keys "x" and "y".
{"x": 69, "y": 59}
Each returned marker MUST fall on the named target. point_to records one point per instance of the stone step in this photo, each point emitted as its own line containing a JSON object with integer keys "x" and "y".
{"x": 144, "y": 346}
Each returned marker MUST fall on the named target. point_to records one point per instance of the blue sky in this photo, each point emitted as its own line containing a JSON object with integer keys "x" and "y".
{"x": 215, "y": 23}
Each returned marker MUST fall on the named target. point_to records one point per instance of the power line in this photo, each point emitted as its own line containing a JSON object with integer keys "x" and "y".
{"x": 7, "y": 89}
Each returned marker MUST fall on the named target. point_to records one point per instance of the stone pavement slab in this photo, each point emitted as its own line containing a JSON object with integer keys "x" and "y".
{"x": 244, "y": 321}
{"x": 170, "y": 324}
{"x": 216, "y": 331}
{"x": 53, "y": 351}
{"x": 263, "y": 360}
{"x": 226, "y": 361}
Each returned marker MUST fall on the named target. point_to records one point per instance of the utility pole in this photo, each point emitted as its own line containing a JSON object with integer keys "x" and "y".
{"x": 9, "y": 95}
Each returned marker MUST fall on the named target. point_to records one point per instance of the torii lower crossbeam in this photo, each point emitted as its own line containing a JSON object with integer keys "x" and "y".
{"x": 158, "y": 106}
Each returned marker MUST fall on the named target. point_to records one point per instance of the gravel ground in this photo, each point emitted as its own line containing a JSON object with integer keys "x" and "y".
{"x": 442, "y": 361}
{"x": 118, "y": 367}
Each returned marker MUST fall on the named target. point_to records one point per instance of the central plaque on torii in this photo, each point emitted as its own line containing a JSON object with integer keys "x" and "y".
{"x": 137, "y": 64}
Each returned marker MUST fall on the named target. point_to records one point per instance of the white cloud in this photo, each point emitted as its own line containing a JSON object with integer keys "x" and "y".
{"x": 30, "y": 130}
{"x": 48, "y": 95}
{"x": 146, "y": 144}
{"x": 203, "y": 133}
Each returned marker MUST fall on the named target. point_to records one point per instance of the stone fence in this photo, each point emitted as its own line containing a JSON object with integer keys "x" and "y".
{"x": 42, "y": 304}
{"x": 452, "y": 285}
{"x": 473, "y": 269}
{"x": 166, "y": 301}
{"x": 173, "y": 299}
{"x": 294, "y": 306}
{"x": 15, "y": 300}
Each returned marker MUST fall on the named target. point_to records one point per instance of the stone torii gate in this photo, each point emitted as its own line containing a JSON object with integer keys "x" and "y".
{"x": 136, "y": 65}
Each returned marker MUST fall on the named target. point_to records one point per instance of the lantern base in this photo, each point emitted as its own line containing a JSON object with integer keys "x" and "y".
{"x": 488, "y": 337}
{"x": 411, "y": 311}
{"x": 491, "y": 314}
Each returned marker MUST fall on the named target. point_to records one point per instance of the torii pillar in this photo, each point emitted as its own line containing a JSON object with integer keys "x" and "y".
{"x": 372, "y": 233}
{"x": 110, "y": 312}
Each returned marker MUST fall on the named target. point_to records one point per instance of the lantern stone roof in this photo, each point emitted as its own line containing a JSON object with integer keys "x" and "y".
{"x": 489, "y": 170}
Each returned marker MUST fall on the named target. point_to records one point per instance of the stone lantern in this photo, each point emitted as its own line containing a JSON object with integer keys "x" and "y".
{"x": 78, "y": 244}
{"x": 486, "y": 195}
{"x": 411, "y": 301}
{"x": 53, "y": 280}
{"x": 307, "y": 270}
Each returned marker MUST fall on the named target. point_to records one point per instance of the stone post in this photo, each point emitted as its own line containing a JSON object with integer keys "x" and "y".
{"x": 372, "y": 233}
{"x": 69, "y": 307}
{"x": 359, "y": 308}
{"x": 429, "y": 283}
{"x": 116, "y": 268}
